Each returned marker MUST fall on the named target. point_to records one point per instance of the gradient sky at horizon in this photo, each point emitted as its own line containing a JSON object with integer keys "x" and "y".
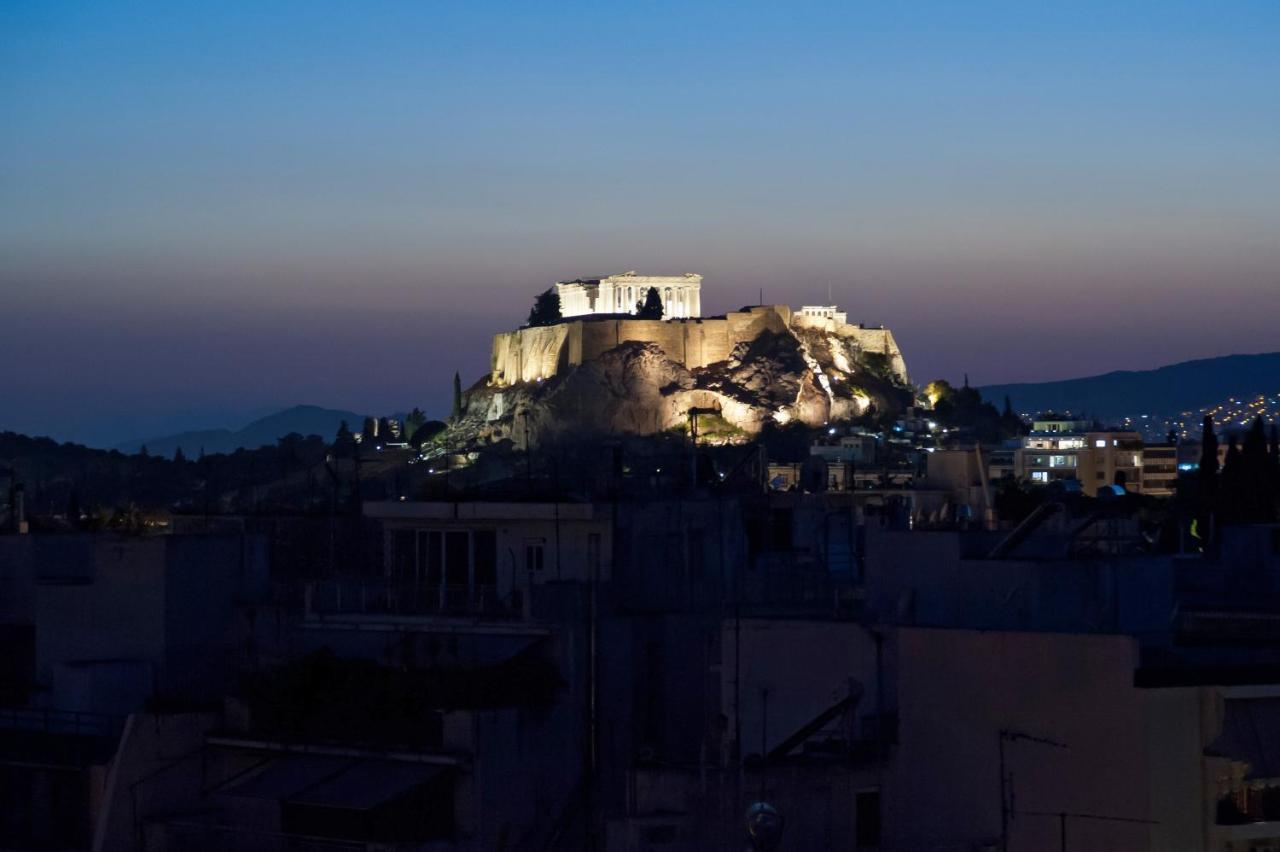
{"x": 209, "y": 211}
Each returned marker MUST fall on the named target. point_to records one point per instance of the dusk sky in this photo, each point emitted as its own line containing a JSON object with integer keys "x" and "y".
{"x": 214, "y": 210}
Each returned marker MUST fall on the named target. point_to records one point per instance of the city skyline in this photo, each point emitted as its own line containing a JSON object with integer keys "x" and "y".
{"x": 210, "y": 214}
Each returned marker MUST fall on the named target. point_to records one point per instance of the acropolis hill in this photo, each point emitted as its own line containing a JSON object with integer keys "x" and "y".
{"x": 600, "y": 368}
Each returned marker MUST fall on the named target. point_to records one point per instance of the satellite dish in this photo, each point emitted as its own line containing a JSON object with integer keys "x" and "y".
{"x": 764, "y": 827}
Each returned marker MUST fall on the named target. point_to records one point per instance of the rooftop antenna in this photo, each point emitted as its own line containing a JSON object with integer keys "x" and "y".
{"x": 829, "y": 302}
{"x": 761, "y": 302}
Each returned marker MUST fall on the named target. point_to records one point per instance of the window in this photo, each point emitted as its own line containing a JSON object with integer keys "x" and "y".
{"x": 486, "y": 558}
{"x": 1100, "y": 443}
{"x": 402, "y": 553}
{"x": 593, "y": 552}
{"x": 456, "y": 558}
{"x": 781, "y": 523}
{"x": 867, "y": 814}
{"x": 697, "y": 555}
{"x": 431, "y": 557}
{"x": 1039, "y": 476}
{"x": 533, "y": 555}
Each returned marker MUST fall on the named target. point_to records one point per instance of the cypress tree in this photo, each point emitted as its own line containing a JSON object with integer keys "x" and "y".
{"x": 411, "y": 423}
{"x": 1255, "y": 475}
{"x": 546, "y": 308}
{"x": 344, "y": 443}
{"x": 651, "y": 308}
{"x": 1208, "y": 458}
{"x": 1232, "y": 483}
{"x": 1207, "y": 480}
{"x": 456, "y": 412}
{"x": 1275, "y": 455}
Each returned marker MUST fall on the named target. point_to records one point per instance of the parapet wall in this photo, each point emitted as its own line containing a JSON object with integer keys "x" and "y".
{"x": 530, "y": 354}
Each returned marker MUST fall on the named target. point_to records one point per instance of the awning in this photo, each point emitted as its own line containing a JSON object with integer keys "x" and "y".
{"x": 334, "y": 782}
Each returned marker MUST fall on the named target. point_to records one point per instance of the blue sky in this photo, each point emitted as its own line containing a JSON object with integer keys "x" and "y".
{"x": 208, "y": 210}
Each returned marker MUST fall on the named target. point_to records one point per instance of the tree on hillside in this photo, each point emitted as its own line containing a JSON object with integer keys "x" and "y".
{"x": 1275, "y": 455}
{"x": 651, "y": 307}
{"x": 1231, "y": 484}
{"x": 965, "y": 409}
{"x": 938, "y": 390}
{"x": 370, "y": 431}
{"x": 456, "y": 412}
{"x": 344, "y": 444}
{"x": 414, "y": 419}
{"x": 178, "y": 457}
{"x": 1206, "y": 482}
{"x": 1257, "y": 498}
{"x": 1010, "y": 423}
{"x": 1208, "y": 471}
{"x": 424, "y": 433}
{"x": 546, "y": 308}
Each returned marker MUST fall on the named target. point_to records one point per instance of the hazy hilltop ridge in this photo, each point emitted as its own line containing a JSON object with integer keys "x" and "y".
{"x": 301, "y": 419}
{"x": 774, "y": 372}
{"x": 1186, "y": 386}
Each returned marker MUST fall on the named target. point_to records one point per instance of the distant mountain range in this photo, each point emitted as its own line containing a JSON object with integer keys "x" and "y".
{"x": 1168, "y": 390}
{"x": 303, "y": 419}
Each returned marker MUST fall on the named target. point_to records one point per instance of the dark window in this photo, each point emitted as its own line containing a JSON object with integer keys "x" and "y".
{"x": 456, "y": 558}
{"x": 486, "y": 552}
{"x": 781, "y": 529}
{"x": 697, "y": 554}
{"x": 867, "y": 808}
{"x": 402, "y": 554}
{"x": 433, "y": 558}
{"x": 660, "y": 835}
{"x": 533, "y": 557}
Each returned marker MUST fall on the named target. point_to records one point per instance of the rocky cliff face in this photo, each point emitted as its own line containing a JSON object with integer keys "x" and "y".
{"x": 780, "y": 376}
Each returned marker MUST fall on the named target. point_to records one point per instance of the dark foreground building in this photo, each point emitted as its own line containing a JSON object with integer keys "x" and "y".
{"x": 632, "y": 673}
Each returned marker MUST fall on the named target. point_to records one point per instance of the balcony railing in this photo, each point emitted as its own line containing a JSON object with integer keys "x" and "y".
{"x": 398, "y": 597}
{"x": 46, "y": 721}
{"x": 1249, "y": 805}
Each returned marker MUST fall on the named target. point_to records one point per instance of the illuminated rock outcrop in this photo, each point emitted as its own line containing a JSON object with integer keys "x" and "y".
{"x": 612, "y": 375}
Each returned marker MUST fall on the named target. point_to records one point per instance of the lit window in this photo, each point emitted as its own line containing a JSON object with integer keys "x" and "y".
{"x": 1101, "y": 442}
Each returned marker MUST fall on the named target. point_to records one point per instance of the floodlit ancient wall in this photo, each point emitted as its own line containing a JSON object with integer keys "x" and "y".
{"x": 530, "y": 354}
{"x": 868, "y": 338}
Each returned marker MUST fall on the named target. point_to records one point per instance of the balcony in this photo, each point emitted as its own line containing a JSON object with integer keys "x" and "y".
{"x": 386, "y": 596}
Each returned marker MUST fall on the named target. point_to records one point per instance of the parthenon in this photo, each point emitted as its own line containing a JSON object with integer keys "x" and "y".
{"x": 619, "y": 294}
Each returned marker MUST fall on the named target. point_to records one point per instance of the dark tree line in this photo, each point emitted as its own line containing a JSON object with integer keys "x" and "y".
{"x": 965, "y": 409}
{"x": 1245, "y": 487}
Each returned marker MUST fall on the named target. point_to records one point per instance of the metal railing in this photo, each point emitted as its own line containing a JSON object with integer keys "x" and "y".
{"x": 400, "y": 597}
{"x": 49, "y": 721}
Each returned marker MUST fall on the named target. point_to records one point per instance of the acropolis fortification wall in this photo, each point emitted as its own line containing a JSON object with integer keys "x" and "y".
{"x": 540, "y": 352}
